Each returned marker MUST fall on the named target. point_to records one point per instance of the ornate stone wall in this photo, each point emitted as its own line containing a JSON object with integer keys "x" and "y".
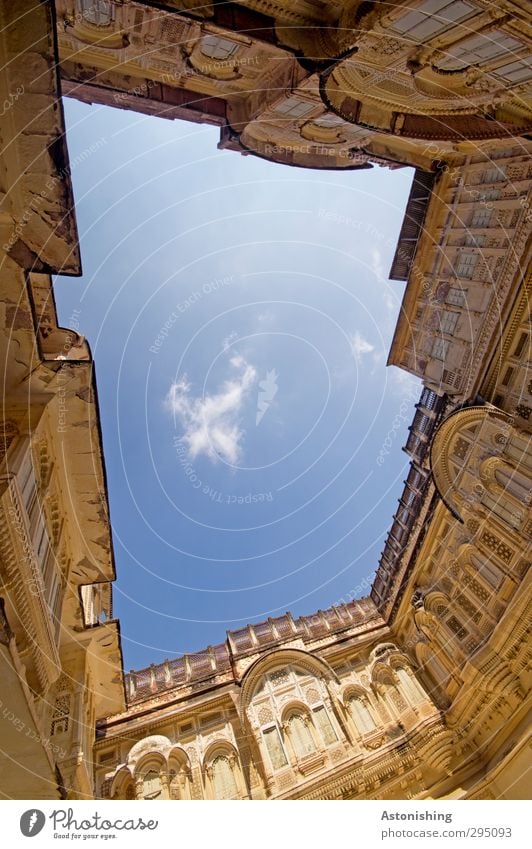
{"x": 314, "y": 720}
{"x": 471, "y": 261}
{"x": 418, "y": 691}
{"x": 323, "y": 86}
{"x": 60, "y": 659}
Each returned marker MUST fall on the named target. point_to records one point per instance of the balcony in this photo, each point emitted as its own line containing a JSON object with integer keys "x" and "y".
{"x": 34, "y": 621}
{"x": 430, "y": 410}
{"x": 96, "y": 603}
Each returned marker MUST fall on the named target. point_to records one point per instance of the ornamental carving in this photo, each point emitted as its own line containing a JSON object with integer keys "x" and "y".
{"x": 312, "y": 695}
{"x": 375, "y": 46}
{"x": 374, "y": 742}
{"x": 192, "y": 754}
{"x": 264, "y": 715}
{"x": 8, "y": 431}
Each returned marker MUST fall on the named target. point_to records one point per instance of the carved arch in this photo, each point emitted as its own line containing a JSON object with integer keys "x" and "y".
{"x": 222, "y": 771}
{"x": 296, "y": 657}
{"x": 179, "y": 774}
{"x": 122, "y": 784}
{"x": 444, "y": 474}
{"x": 295, "y": 705}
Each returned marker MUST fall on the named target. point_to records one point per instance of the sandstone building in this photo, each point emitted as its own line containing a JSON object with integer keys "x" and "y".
{"x": 419, "y": 690}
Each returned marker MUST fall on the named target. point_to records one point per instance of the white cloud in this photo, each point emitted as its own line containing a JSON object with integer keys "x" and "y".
{"x": 360, "y": 346}
{"x": 376, "y": 264}
{"x": 211, "y": 423}
{"x": 389, "y": 301}
{"x": 265, "y": 317}
{"x": 229, "y": 340}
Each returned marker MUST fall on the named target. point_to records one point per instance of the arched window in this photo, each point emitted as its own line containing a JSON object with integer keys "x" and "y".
{"x": 216, "y": 47}
{"x": 274, "y": 747}
{"x": 300, "y": 735}
{"x": 500, "y": 506}
{"x": 519, "y": 449}
{"x": 514, "y": 482}
{"x": 151, "y": 785}
{"x": 487, "y": 570}
{"x": 223, "y": 778}
{"x": 97, "y": 12}
{"x": 324, "y": 724}
{"x": 410, "y": 686}
{"x": 360, "y": 712}
{"x": 438, "y": 676}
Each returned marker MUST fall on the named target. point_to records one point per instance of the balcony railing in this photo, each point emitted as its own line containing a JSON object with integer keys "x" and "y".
{"x": 430, "y": 410}
{"x": 217, "y": 660}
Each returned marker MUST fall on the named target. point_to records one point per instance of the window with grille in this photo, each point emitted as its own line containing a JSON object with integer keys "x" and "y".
{"x": 481, "y": 218}
{"x": 456, "y": 627}
{"x": 456, "y": 297}
{"x": 460, "y": 448}
{"x": 98, "y": 12}
{"x": 151, "y": 785}
{"x": 448, "y": 322}
{"x": 466, "y": 265}
{"x": 479, "y": 49}
{"x": 274, "y": 747}
{"x": 300, "y": 735}
{"x": 516, "y": 72}
{"x": 217, "y": 48}
{"x": 493, "y": 175}
{"x": 360, "y": 712}
{"x": 410, "y": 687}
{"x": 329, "y": 120}
{"x": 61, "y": 714}
{"x": 294, "y": 107}
{"x": 474, "y": 241}
{"x": 432, "y": 17}
{"x": 223, "y": 778}
{"x": 321, "y": 718}
{"x": 440, "y": 348}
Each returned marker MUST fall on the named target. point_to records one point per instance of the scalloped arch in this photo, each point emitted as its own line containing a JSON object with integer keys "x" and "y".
{"x": 295, "y": 705}
{"x": 297, "y": 657}
{"x": 122, "y": 777}
{"x": 219, "y": 747}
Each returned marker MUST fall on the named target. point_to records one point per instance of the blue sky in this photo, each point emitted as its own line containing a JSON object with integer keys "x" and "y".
{"x": 240, "y": 316}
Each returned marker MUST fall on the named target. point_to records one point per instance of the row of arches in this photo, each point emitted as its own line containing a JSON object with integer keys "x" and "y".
{"x": 481, "y": 464}
{"x": 164, "y": 772}
{"x": 297, "y": 713}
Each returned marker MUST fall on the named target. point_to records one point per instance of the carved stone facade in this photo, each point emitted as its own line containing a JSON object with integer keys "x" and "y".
{"x": 418, "y": 691}
{"x": 60, "y": 655}
{"x": 472, "y": 257}
{"x": 318, "y": 85}
{"x": 333, "y": 710}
